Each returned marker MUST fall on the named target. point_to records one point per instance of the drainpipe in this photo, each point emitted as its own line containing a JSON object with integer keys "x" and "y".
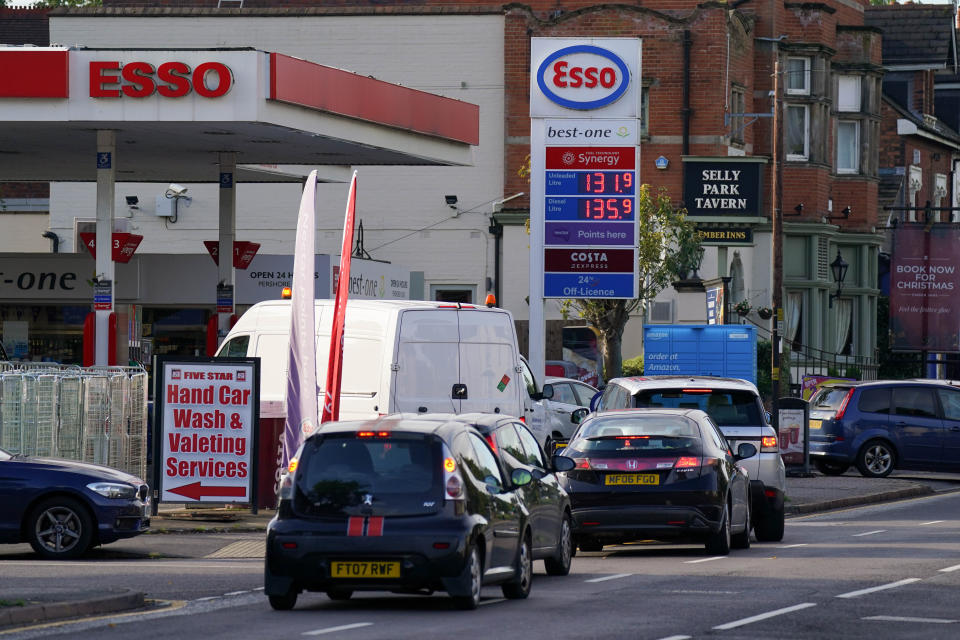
{"x": 54, "y": 238}
{"x": 687, "y": 43}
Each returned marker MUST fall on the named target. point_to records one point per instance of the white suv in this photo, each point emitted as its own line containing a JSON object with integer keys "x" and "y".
{"x": 735, "y": 406}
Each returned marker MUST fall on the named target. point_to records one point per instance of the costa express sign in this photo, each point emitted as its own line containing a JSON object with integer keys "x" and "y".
{"x": 112, "y": 79}
{"x": 583, "y": 77}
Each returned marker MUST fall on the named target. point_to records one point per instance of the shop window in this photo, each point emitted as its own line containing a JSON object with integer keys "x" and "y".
{"x": 848, "y": 146}
{"x": 848, "y": 93}
{"x": 797, "y": 132}
{"x": 798, "y": 76}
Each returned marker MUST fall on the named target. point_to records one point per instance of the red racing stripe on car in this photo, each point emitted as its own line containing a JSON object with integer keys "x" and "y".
{"x": 375, "y": 526}
{"x": 355, "y": 526}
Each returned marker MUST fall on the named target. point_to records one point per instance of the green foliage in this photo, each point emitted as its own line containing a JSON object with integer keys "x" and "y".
{"x": 667, "y": 244}
{"x": 633, "y": 366}
{"x": 853, "y": 372}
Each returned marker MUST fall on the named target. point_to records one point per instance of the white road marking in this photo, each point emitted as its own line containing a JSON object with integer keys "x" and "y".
{"x": 907, "y": 619}
{"x": 932, "y": 522}
{"x": 883, "y": 587}
{"x": 494, "y": 601}
{"x": 764, "y": 616}
{"x": 613, "y": 577}
{"x": 794, "y": 546}
{"x": 704, "y": 560}
{"x": 705, "y": 592}
{"x": 677, "y": 638}
{"x": 343, "y": 627}
{"x": 868, "y": 533}
{"x": 236, "y": 593}
{"x": 949, "y": 569}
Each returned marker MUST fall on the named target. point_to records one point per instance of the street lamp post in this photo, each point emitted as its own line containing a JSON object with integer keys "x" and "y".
{"x": 838, "y": 268}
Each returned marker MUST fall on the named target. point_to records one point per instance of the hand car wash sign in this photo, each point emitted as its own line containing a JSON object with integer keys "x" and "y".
{"x": 584, "y": 107}
{"x": 205, "y": 439}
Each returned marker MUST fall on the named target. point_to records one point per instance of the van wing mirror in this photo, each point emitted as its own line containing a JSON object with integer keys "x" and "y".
{"x": 547, "y": 392}
{"x": 577, "y": 415}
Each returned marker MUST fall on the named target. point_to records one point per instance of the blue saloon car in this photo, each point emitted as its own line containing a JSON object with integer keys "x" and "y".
{"x": 63, "y": 508}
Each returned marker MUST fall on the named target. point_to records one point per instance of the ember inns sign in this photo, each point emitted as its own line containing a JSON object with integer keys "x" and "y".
{"x": 722, "y": 188}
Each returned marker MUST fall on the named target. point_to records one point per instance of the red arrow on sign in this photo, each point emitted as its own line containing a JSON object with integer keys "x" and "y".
{"x": 196, "y": 490}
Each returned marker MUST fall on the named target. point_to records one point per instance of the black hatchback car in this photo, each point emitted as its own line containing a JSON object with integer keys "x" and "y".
{"x": 398, "y": 504}
{"x": 548, "y": 504}
{"x": 665, "y": 474}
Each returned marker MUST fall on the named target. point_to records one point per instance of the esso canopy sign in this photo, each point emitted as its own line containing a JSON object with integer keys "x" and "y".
{"x": 573, "y": 76}
{"x": 111, "y": 79}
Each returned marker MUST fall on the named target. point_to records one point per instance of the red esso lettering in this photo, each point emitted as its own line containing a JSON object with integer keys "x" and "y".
{"x": 566, "y": 76}
{"x": 173, "y": 79}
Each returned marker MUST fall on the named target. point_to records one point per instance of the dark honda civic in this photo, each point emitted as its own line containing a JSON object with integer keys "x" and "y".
{"x": 398, "y": 504}
{"x": 664, "y": 474}
{"x": 64, "y": 507}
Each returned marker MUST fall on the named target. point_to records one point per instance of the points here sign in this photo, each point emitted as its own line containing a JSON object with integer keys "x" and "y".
{"x": 205, "y": 429}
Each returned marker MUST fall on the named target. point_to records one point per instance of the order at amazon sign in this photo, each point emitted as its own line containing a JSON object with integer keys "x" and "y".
{"x": 207, "y": 416}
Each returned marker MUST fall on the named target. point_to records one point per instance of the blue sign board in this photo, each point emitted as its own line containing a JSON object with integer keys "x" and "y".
{"x": 590, "y": 234}
{"x": 589, "y": 285}
{"x": 707, "y": 350}
{"x": 104, "y": 159}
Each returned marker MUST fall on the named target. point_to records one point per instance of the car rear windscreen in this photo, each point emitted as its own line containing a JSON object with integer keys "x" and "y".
{"x": 639, "y": 437}
{"x": 828, "y": 398}
{"x": 354, "y": 475}
{"x": 727, "y": 408}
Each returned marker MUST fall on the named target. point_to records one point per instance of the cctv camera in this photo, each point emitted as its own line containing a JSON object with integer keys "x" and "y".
{"x": 132, "y": 201}
{"x": 451, "y": 200}
{"x": 175, "y": 190}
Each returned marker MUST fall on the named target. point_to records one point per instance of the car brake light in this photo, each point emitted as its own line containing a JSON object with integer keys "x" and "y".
{"x": 686, "y": 462}
{"x": 523, "y": 420}
{"x": 454, "y": 487}
{"x": 492, "y": 442}
{"x": 768, "y": 444}
{"x": 289, "y": 545}
{"x": 582, "y": 463}
{"x": 843, "y": 405}
{"x": 371, "y": 434}
{"x": 697, "y": 390}
{"x": 441, "y": 545}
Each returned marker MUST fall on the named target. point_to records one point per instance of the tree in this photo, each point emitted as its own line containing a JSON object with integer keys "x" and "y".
{"x": 668, "y": 248}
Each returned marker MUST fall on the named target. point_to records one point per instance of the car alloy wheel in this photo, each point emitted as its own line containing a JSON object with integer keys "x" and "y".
{"x": 875, "y": 459}
{"x": 559, "y": 565}
{"x": 519, "y": 587}
{"x": 719, "y": 542}
{"x": 474, "y": 573}
{"x": 742, "y": 540}
{"x": 60, "y": 528}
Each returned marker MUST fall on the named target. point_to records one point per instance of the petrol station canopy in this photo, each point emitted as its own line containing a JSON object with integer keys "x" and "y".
{"x": 174, "y": 111}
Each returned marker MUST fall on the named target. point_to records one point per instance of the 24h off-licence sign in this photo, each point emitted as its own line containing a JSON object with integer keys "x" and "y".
{"x": 206, "y": 424}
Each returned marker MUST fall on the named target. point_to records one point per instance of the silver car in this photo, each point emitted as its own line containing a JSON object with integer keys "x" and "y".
{"x": 735, "y": 406}
{"x": 568, "y": 396}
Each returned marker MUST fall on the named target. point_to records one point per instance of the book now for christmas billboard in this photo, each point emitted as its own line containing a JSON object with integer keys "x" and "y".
{"x": 924, "y": 283}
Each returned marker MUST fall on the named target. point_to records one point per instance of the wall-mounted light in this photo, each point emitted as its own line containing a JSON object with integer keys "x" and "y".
{"x": 176, "y": 193}
{"x": 838, "y": 268}
{"x": 844, "y": 214}
{"x": 798, "y": 209}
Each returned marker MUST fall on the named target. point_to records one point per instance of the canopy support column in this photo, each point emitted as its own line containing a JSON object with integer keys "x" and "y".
{"x": 227, "y": 230}
{"x": 106, "y": 178}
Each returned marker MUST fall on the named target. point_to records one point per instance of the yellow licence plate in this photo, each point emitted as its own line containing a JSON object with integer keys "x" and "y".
{"x": 633, "y": 478}
{"x": 365, "y": 570}
{"x": 816, "y": 424}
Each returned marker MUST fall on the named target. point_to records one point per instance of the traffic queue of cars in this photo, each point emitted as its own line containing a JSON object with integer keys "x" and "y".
{"x": 418, "y": 503}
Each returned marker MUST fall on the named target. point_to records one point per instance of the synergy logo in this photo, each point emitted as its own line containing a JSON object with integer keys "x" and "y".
{"x": 583, "y": 77}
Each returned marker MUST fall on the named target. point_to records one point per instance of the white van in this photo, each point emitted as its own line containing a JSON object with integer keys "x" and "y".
{"x": 399, "y": 356}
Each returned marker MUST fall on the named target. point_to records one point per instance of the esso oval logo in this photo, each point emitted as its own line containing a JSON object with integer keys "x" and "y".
{"x": 583, "y": 77}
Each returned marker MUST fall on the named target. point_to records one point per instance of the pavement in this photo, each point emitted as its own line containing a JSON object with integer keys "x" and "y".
{"x": 806, "y": 493}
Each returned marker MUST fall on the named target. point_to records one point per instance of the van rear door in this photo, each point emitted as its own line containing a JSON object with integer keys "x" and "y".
{"x": 488, "y": 361}
{"x": 427, "y": 362}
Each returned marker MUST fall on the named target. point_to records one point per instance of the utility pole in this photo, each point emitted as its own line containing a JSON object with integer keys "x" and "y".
{"x": 777, "y": 240}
